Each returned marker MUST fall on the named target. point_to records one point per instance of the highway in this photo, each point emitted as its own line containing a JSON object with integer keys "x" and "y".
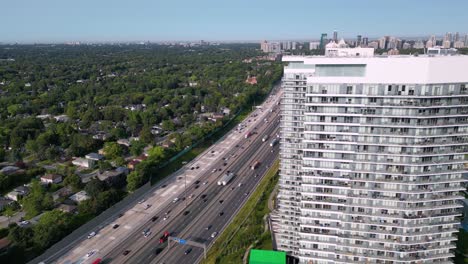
{"x": 186, "y": 216}
{"x": 203, "y": 214}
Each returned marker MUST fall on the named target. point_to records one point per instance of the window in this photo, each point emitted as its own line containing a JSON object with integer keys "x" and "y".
{"x": 389, "y": 88}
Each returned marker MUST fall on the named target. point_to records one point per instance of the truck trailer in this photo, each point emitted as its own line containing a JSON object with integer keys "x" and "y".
{"x": 226, "y": 178}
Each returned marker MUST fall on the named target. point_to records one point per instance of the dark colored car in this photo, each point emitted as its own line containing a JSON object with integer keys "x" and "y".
{"x": 154, "y": 218}
{"x": 221, "y": 213}
{"x": 186, "y": 212}
{"x": 120, "y": 215}
{"x": 188, "y": 251}
{"x": 125, "y": 253}
{"x": 197, "y": 182}
{"x": 158, "y": 250}
{"x": 203, "y": 196}
{"x": 115, "y": 226}
{"x": 221, "y": 201}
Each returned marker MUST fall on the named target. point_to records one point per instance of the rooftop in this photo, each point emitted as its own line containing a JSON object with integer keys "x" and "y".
{"x": 405, "y": 69}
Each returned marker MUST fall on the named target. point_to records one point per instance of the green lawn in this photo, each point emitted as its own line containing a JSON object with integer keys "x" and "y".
{"x": 247, "y": 228}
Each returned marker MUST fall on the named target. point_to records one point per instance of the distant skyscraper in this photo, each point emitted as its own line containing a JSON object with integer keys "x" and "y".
{"x": 323, "y": 40}
{"x": 457, "y": 37}
{"x": 314, "y": 45}
{"x": 365, "y": 41}
{"x": 446, "y": 44}
{"x": 335, "y": 36}
{"x": 418, "y": 44}
{"x": 358, "y": 40}
{"x": 383, "y": 42}
{"x": 293, "y": 45}
{"x": 466, "y": 40}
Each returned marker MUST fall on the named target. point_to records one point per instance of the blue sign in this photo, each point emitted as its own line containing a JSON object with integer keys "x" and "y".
{"x": 180, "y": 241}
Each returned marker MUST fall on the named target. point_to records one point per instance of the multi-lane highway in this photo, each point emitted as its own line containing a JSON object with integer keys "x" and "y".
{"x": 200, "y": 202}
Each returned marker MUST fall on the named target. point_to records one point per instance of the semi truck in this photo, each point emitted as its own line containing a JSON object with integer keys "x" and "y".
{"x": 274, "y": 142}
{"x": 226, "y": 178}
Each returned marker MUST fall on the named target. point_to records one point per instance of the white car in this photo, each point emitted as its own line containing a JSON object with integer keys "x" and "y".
{"x": 214, "y": 234}
{"x": 175, "y": 200}
{"x": 240, "y": 184}
{"x": 214, "y": 170}
{"x": 91, "y": 235}
{"x": 205, "y": 183}
{"x": 24, "y": 223}
{"x": 89, "y": 254}
{"x": 142, "y": 201}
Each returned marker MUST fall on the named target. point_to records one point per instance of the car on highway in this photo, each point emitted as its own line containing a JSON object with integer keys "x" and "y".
{"x": 168, "y": 212}
{"x": 126, "y": 252}
{"x": 221, "y": 213}
{"x": 120, "y": 215}
{"x": 91, "y": 235}
{"x": 175, "y": 200}
{"x": 197, "y": 182}
{"x": 186, "y": 212}
{"x": 154, "y": 218}
{"x": 164, "y": 237}
{"x": 197, "y": 186}
{"x": 240, "y": 184}
{"x": 146, "y": 232}
{"x": 205, "y": 200}
{"x": 225, "y": 163}
{"x": 214, "y": 170}
{"x": 214, "y": 234}
{"x": 203, "y": 196}
{"x": 197, "y": 167}
{"x": 205, "y": 182}
{"x": 158, "y": 250}
{"x": 221, "y": 201}
{"x": 246, "y": 193}
{"x": 165, "y": 218}
{"x": 163, "y": 186}
{"x": 208, "y": 227}
{"x": 97, "y": 261}
{"x": 89, "y": 254}
{"x": 191, "y": 196}
{"x": 142, "y": 201}
{"x": 115, "y": 226}
{"x": 147, "y": 206}
{"x": 188, "y": 251}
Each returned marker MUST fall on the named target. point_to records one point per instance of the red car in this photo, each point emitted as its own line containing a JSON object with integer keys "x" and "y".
{"x": 97, "y": 261}
{"x": 164, "y": 237}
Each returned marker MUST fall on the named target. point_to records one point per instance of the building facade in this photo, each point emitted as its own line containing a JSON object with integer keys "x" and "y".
{"x": 372, "y": 152}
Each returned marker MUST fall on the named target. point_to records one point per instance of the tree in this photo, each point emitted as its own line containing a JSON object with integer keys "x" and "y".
{"x": 168, "y": 125}
{"x": 73, "y": 181}
{"x": 157, "y": 153}
{"x": 137, "y": 147}
{"x": 9, "y": 212}
{"x": 134, "y": 181}
{"x": 21, "y": 236}
{"x": 146, "y": 136}
{"x": 37, "y": 201}
{"x": 104, "y": 166}
{"x": 112, "y": 150}
{"x": 94, "y": 187}
{"x": 52, "y": 226}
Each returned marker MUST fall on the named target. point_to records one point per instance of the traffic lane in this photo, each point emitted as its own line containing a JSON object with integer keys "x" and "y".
{"x": 215, "y": 201}
{"x": 190, "y": 210}
{"x": 238, "y": 192}
{"x": 226, "y": 199}
{"x": 177, "y": 254}
{"x": 210, "y": 177}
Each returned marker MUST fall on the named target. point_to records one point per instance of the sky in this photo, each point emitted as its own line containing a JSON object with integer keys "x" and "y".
{"x": 224, "y": 20}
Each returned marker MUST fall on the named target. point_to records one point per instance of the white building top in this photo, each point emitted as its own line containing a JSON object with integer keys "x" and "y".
{"x": 393, "y": 69}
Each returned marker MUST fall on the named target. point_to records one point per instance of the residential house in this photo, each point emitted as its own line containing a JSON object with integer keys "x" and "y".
{"x": 124, "y": 142}
{"x": 4, "y": 202}
{"x": 94, "y": 156}
{"x": 18, "y": 193}
{"x": 79, "y": 196}
{"x": 101, "y": 136}
{"x": 62, "y": 193}
{"x": 132, "y": 164}
{"x": 61, "y": 118}
{"x": 114, "y": 178}
{"x": 9, "y": 170}
{"x": 85, "y": 163}
{"x": 226, "y": 111}
{"x": 51, "y": 178}
{"x": 67, "y": 208}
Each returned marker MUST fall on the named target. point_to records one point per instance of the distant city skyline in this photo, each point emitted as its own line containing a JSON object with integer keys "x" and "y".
{"x": 53, "y": 21}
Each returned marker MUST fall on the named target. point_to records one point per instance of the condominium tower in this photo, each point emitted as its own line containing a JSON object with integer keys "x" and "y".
{"x": 372, "y": 155}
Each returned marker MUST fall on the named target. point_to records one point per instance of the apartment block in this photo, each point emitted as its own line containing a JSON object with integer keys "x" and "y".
{"x": 372, "y": 155}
